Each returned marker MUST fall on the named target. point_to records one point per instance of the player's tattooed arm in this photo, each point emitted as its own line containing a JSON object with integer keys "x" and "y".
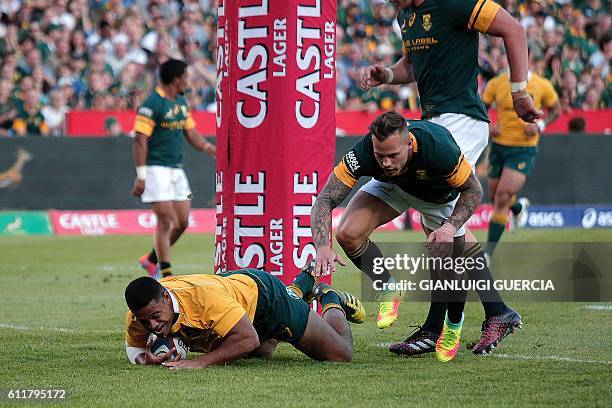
{"x": 331, "y": 196}
{"x": 469, "y": 199}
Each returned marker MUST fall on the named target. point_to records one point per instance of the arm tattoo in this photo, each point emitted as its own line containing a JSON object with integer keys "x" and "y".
{"x": 331, "y": 196}
{"x": 469, "y": 199}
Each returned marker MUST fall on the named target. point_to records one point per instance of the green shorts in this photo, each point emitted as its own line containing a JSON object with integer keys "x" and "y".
{"x": 280, "y": 313}
{"x": 513, "y": 157}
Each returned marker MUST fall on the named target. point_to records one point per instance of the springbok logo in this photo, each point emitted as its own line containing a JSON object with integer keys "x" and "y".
{"x": 11, "y": 177}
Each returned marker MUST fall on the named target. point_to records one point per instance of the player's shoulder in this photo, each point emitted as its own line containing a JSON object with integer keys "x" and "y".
{"x": 150, "y": 105}
{"x": 431, "y": 137}
{"x": 540, "y": 80}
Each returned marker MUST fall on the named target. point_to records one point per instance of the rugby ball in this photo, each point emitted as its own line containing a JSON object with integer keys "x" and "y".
{"x": 161, "y": 345}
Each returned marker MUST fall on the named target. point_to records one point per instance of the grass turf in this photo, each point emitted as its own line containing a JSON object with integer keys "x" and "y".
{"x": 61, "y": 326}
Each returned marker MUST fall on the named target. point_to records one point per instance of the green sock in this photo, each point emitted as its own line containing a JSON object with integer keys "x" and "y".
{"x": 303, "y": 283}
{"x": 330, "y": 300}
{"x": 516, "y": 208}
{"x": 454, "y": 326}
{"x": 497, "y": 225}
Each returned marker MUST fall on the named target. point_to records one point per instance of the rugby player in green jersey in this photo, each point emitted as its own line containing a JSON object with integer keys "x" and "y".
{"x": 440, "y": 44}
{"x": 413, "y": 165}
{"x": 161, "y": 123}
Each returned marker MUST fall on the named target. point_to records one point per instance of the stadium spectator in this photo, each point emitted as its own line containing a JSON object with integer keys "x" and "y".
{"x": 29, "y": 119}
{"x": 55, "y": 113}
{"x": 8, "y": 108}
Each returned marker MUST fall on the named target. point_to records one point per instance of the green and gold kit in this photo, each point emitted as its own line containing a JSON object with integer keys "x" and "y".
{"x": 164, "y": 122}
{"x": 433, "y": 174}
{"x": 440, "y": 38}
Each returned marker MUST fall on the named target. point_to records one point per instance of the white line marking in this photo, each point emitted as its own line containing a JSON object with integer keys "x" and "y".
{"x": 19, "y": 327}
{"x": 25, "y": 328}
{"x": 523, "y": 357}
{"x": 598, "y": 307}
{"x": 549, "y": 358}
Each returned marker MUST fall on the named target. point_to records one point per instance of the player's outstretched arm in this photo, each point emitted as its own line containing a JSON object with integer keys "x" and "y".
{"x": 515, "y": 41}
{"x": 238, "y": 342}
{"x": 199, "y": 143}
{"x": 400, "y": 73}
{"x": 334, "y": 192}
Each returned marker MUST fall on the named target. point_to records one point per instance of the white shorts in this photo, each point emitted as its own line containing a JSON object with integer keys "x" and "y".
{"x": 165, "y": 184}
{"x": 472, "y": 135}
{"x": 432, "y": 213}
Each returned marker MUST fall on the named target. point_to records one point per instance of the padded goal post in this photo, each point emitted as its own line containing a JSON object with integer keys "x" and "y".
{"x": 275, "y": 130}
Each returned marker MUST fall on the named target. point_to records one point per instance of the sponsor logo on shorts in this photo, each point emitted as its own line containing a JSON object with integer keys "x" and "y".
{"x": 522, "y": 165}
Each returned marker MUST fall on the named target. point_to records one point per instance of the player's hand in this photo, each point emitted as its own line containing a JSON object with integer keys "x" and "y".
{"x": 211, "y": 150}
{"x": 524, "y": 108}
{"x": 494, "y": 130}
{"x": 152, "y": 359}
{"x": 184, "y": 364}
{"x": 326, "y": 261}
{"x": 531, "y": 129}
{"x": 138, "y": 187}
{"x": 440, "y": 242}
{"x": 372, "y": 76}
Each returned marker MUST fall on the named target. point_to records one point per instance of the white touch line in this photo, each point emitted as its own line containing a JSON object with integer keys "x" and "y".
{"x": 58, "y": 329}
{"x": 549, "y": 358}
{"x": 523, "y": 357}
{"x": 24, "y": 328}
{"x": 598, "y": 307}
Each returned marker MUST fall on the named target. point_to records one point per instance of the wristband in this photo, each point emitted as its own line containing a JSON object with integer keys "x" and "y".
{"x": 141, "y": 172}
{"x": 518, "y": 86}
{"x": 541, "y": 125}
{"x": 389, "y": 72}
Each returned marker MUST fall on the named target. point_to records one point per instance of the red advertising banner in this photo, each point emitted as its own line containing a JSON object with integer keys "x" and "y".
{"x": 109, "y": 222}
{"x": 202, "y": 221}
{"x": 275, "y": 130}
{"x": 89, "y": 123}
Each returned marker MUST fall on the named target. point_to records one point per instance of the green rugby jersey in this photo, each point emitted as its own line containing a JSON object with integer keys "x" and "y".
{"x": 164, "y": 121}
{"x": 440, "y": 39}
{"x": 433, "y": 174}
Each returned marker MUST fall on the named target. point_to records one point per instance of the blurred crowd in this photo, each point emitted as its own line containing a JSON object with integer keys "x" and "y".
{"x": 57, "y": 55}
{"x": 569, "y": 43}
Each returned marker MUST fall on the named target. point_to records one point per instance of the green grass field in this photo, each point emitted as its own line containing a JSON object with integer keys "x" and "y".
{"x": 61, "y": 326}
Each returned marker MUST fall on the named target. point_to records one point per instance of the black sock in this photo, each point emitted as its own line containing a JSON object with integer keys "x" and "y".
{"x": 491, "y": 299}
{"x": 165, "y": 268}
{"x": 437, "y": 308}
{"x": 363, "y": 259}
{"x": 153, "y": 256}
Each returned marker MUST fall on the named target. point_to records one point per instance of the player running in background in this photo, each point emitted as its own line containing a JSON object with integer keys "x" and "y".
{"x": 441, "y": 54}
{"x": 161, "y": 123}
{"x": 413, "y": 165}
{"x": 239, "y": 313}
{"x": 513, "y": 147}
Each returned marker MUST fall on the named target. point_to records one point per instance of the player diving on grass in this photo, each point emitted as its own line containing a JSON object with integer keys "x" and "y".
{"x": 161, "y": 124}
{"x": 413, "y": 165}
{"x": 237, "y": 314}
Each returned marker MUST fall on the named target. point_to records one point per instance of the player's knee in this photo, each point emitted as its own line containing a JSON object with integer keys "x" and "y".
{"x": 502, "y": 199}
{"x": 165, "y": 221}
{"x": 345, "y": 355}
{"x": 349, "y": 238}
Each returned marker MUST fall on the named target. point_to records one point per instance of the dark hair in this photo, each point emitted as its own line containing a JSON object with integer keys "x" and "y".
{"x": 141, "y": 291}
{"x": 170, "y": 70}
{"x": 577, "y": 125}
{"x": 387, "y": 124}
